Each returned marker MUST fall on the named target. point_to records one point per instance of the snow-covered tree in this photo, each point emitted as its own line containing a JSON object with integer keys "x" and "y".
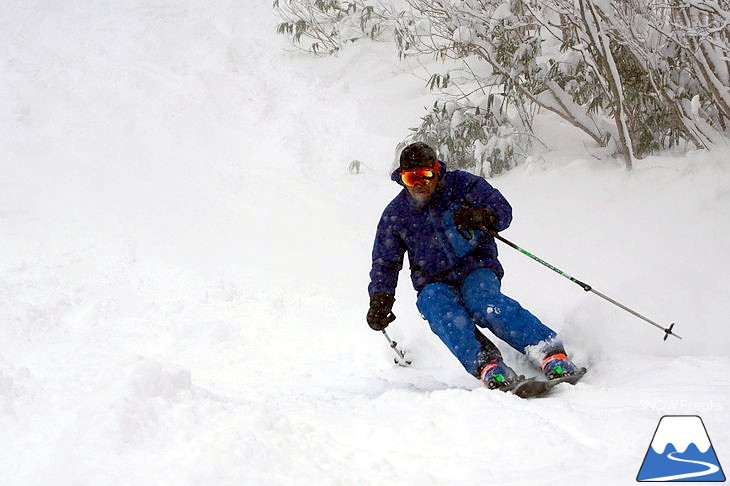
{"x": 637, "y": 76}
{"x": 477, "y": 137}
{"x": 324, "y": 26}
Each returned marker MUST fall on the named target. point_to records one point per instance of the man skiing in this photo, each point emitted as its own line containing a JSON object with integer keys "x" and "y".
{"x": 443, "y": 219}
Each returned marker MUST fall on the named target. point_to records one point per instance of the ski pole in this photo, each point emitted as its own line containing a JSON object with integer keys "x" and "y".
{"x": 401, "y": 355}
{"x": 667, "y": 330}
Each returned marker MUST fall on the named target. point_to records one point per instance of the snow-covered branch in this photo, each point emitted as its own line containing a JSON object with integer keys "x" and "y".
{"x": 637, "y": 76}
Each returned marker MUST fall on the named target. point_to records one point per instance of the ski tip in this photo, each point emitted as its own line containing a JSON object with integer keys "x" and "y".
{"x": 529, "y": 388}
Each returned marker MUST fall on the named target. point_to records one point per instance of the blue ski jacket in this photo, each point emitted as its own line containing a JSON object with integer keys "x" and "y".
{"x": 437, "y": 251}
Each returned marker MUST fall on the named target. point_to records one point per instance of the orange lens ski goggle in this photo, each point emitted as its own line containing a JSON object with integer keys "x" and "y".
{"x": 419, "y": 177}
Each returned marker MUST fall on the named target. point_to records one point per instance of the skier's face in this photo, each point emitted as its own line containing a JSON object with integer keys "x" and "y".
{"x": 421, "y": 182}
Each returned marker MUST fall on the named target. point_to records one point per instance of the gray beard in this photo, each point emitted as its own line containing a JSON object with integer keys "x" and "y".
{"x": 419, "y": 204}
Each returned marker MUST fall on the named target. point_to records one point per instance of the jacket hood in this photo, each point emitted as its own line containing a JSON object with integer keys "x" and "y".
{"x": 395, "y": 175}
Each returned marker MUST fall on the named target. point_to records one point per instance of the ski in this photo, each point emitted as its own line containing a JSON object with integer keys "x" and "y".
{"x": 529, "y": 387}
{"x": 532, "y": 387}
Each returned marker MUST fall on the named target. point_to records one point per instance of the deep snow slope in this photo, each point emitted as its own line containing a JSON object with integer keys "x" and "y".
{"x": 184, "y": 258}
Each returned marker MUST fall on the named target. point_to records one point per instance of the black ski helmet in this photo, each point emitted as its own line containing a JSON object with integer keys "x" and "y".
{"x": 417, "y": 155}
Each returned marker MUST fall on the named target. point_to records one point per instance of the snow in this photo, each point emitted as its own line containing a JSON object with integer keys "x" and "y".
{"x": 502, "y": 12}
{"x": 184, "y": 259}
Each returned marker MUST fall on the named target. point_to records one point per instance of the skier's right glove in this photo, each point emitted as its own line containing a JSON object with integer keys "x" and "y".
{"x": 482, "y": 219}
{"x": 379, "y": 314}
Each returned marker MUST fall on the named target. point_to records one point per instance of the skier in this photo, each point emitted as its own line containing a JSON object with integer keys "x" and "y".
{"x": 443, "y": 219}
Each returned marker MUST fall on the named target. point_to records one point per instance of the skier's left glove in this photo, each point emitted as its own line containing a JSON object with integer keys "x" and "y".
{"x": 379, "y": 314}
{"x": 482, "y": 219}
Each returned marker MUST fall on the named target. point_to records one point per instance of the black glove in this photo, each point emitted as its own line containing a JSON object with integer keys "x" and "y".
{"x": 379, "y": 314}
{"x": 482, "y": 219}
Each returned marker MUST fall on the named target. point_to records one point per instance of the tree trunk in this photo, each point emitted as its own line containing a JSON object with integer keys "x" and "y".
{"x": 601, "y": 44}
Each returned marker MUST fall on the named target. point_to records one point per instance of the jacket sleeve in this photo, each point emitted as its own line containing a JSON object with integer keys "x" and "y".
{"x": 480, "y": 194}
{"x": 388, "y": 251}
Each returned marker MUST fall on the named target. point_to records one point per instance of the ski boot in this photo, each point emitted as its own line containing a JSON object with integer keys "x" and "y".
{"x": 496, "y": 375}
{"x": 558, "y": 366}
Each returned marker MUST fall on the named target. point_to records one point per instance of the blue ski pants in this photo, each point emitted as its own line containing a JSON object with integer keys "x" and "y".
{"x": 453, "y": 312}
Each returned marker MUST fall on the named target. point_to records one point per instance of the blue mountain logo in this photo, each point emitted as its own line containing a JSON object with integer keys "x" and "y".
{"x": 681, "y": 451}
